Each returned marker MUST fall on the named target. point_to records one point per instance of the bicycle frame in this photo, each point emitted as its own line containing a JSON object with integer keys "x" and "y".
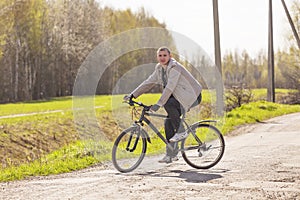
{"x": 145, "y": 112}
{"x": 152, "y": 126}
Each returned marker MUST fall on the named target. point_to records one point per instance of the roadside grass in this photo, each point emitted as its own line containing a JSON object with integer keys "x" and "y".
{"x": 255, "y": 112}
{"x": 75, "y": 156}
{"x": 50, "y": 144}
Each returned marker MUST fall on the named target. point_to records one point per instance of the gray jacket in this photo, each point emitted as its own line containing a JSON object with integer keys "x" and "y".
{"x": 184, "y": 87}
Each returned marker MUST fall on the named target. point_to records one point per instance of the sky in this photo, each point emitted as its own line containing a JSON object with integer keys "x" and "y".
{"x": 243, "y": 23}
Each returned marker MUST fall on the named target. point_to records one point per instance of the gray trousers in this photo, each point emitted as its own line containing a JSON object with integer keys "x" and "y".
{"x": 173, "y": 123}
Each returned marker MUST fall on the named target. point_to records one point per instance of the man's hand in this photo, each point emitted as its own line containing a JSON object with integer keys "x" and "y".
{"x": 128, "y": 97}
{"x": 154, "y": 107}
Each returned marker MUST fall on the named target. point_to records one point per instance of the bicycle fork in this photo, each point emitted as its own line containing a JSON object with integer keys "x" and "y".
{"x": 135, "y": 135}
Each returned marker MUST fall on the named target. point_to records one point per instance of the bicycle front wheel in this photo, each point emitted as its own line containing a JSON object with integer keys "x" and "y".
{"x": 129, "y": 149}
{"x": 204, "y": 147}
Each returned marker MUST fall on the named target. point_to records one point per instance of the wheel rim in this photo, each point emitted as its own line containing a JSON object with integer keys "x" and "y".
{"x": 209, "y": 153}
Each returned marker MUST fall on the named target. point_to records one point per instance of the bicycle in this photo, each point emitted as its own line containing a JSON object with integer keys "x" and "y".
{"x": 202, "y": 149}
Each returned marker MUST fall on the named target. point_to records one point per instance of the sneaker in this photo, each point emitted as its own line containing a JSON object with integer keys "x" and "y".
{"x": 166, "y": 159}
{"x": 179, "y": 136}
{"x": 175, "y": 158}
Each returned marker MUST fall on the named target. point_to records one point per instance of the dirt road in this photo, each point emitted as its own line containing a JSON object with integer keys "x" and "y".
{"x": 261, "y": 163}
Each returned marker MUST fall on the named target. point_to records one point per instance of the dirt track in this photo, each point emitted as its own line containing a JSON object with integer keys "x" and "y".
{"x": 261, "y": 163}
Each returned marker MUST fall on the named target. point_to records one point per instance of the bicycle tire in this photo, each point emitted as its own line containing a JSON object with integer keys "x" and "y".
{"x": 127, "y": 154}
{"x": 207, "y": 154}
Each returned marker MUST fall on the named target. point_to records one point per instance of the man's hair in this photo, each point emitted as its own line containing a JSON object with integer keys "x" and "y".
{"x": 164, "y": 48}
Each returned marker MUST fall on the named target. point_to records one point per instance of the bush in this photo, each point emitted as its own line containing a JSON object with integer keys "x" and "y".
{"x": 236, "y": 96}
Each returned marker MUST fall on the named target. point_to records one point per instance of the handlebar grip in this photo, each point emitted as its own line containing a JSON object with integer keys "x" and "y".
{"x": 131, "y": 102}
{"x": 147, "y": 108}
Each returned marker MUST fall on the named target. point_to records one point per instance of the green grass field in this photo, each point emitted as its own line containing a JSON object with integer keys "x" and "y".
{"x": 46, "y": 141}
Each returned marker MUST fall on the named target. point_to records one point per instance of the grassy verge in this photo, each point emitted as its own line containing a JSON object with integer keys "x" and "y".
{"x": 255, "y": 112}
{"x": 50, "y": 145}
{"x": 75, "y": 156}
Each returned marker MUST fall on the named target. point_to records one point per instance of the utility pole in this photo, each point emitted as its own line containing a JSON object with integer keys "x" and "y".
{"x": 291, "y": 23}
{"x": 218, "y": 63}
{"x": 271, "y": 83}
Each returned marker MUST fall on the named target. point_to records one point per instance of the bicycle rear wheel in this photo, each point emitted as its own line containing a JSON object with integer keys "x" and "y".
{"x": 204, "y": 147}
{"x": 129, "y": 149}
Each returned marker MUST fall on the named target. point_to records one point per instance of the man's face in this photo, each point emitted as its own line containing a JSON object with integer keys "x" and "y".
{"x": 163, "y": 57}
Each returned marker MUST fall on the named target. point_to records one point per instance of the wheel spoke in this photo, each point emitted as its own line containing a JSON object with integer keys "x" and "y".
{"x": 209, "y": 152}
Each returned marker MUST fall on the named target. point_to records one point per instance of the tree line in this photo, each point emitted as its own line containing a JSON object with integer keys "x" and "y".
{"x": 44, "y": 42}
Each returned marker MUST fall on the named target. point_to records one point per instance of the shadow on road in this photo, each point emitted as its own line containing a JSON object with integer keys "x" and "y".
{"x": 191, "y": 176}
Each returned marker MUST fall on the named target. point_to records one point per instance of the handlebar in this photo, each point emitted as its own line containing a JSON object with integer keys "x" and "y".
{"x": 146, "y": 109}
{"x": 132, "y": 102}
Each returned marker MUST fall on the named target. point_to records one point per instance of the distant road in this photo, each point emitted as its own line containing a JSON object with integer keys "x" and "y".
{"x": 39, "y": 113}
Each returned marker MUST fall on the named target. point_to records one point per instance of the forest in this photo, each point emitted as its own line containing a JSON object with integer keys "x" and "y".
{"x": 44, "y": 42}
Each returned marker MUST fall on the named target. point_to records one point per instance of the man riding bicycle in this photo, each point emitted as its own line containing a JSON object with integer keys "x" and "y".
{"x": 181, "y": 91}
